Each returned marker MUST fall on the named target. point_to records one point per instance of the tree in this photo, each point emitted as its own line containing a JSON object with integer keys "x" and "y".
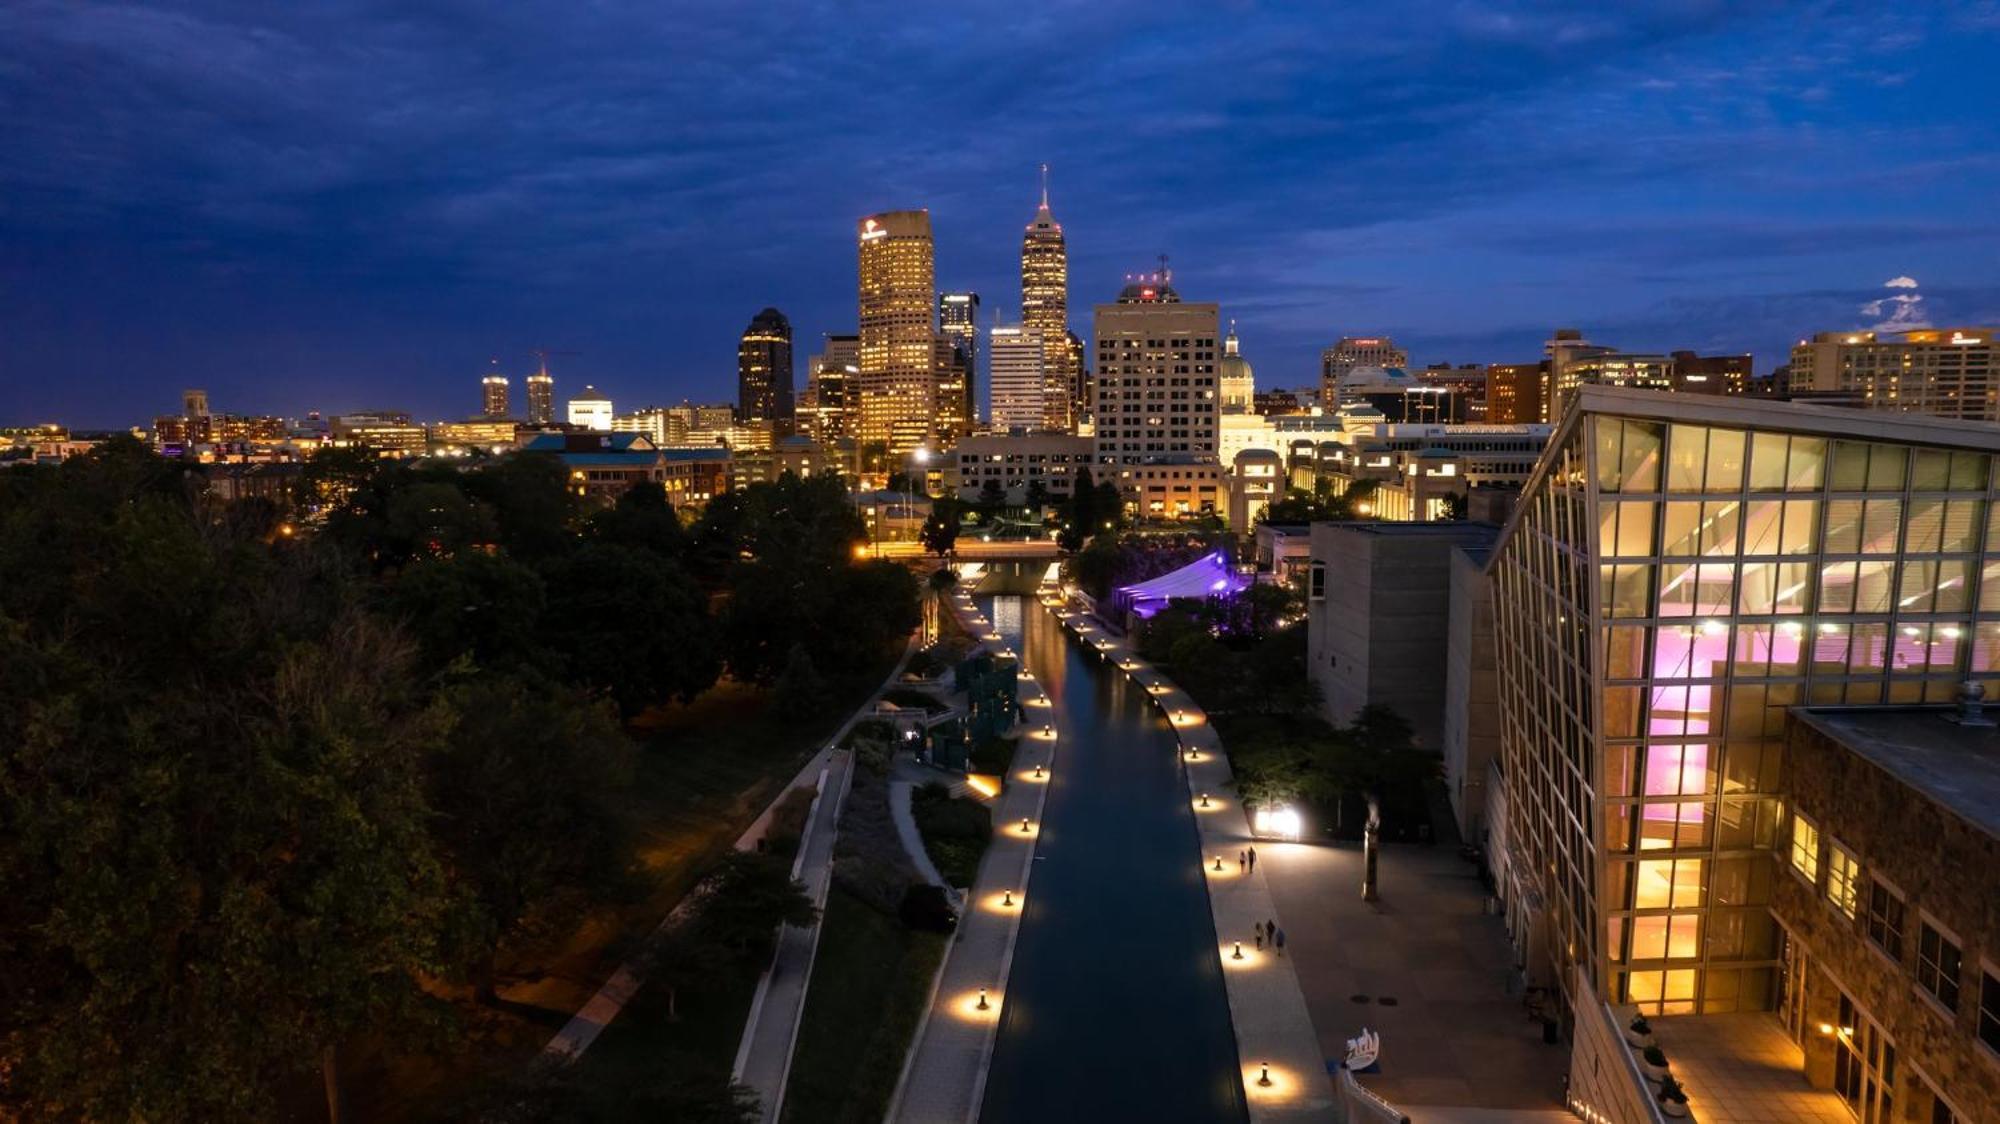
{"x": 213, "y": 859}
{"x": 800, "y": 688}
{"x": 1080, "y": 515}
{"x": 631, "y": 624}
{"x": 526, "y": 790}
{"x": 484, "y": 608}
{"x": 1453, "y": 509}
{"x": 940, "y": 531}
{"x": 992, "y": 498}
{"x": 744, "y": 902}
{"x": 643, "y": 517}
{"x": 1037, "y": 496}
{"x": 1322, "y": 505}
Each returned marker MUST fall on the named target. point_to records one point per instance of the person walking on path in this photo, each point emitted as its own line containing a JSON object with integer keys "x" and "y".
{"x": 1240, "y": 863}
{"x": 1271, "y": 927}
{"x": 1260, "y": 936}
{"x": 1278, "y": 941}
{"x": 1253, "y": 860}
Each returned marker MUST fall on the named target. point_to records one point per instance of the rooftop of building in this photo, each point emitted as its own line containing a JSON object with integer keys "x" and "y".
{"x": 1956, "y": 765}
{"x": 1789, "y": 417}
{"x": 1477, "y": 532}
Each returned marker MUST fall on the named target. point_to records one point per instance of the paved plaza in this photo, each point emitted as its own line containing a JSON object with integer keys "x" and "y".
{"x": 1742, "y": 1069}
{"x": 1433, "y": 968}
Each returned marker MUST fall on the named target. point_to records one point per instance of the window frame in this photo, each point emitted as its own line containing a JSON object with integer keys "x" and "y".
{"x": 1809, "y": 877}
{"x": 1928, "y": 923}
{"x": 1901, "y": 929}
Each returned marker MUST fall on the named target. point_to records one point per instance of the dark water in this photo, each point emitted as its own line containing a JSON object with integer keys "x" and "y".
{"x": 1115, "y": 1007}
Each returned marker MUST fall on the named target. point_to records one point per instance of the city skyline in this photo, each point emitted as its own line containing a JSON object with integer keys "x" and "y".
{"x": 356, "y": 262}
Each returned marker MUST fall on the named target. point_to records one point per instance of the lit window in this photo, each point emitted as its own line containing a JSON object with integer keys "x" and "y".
{"x": 1805, "y": 849}
{"x": 1843, "y": 877}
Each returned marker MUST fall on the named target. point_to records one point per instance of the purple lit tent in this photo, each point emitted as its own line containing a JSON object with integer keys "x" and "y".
{"x": 1208, "y": 576}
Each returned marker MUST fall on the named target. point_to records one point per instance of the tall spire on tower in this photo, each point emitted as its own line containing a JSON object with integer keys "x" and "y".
{"x": 1045, "y": 187}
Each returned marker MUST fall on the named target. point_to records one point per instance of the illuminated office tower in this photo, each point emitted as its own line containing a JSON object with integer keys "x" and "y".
{"x": 898, "y": 291}
{"x": 952, "y": 372}
{"x": 1157, "y": 409}
{"x": 493, "y": 393}
{"x": 831, "y": 377}
{"x": 194, "y": 403}
{"x": 1950, "y": 372}
{"x": 764, "y": 371}
{"x": 1045, "y": 307}
{"x": 541, "y": 397}
{"x": 1684, "y": 569}
{"x": 1356, "y": 351}
{"x": 958, "y": 321}
{"x": 1017, "y": 379}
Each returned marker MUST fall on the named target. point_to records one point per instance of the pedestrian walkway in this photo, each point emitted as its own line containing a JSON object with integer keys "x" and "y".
{"x": 944, "y": 1078}
{"x": 1284, "y": 1071}
{"x": 906, "y": 830}
{"x": 764, "y": 1058}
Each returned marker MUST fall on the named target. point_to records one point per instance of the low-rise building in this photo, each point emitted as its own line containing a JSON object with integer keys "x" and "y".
{"x": 1014, "y": 462}
{"x": 1888, "y": 903}
{"x": 1377, "y": 597}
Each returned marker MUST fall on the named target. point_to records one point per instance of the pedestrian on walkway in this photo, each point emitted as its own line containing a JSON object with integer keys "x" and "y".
{"x": 1241, "y": 863}
{"x": 1260, "y": 936}
{"x": 1278, "y": 941}
{"x": 1271, "y": 927}
{"x": 1253, "y": 860}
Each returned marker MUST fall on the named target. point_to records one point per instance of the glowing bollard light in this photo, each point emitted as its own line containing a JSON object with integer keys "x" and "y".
{"x": 1238, "y": 954}
{"x": 1194, "y": 754}
{"x": 1038, "y": 771}
{"x": 982, "y": 1005}
{"x": 1264, "y": 1078}
{"x": 1024, "y": 825}
{"x": 1218, "y": 870}
{"x": 1007, "y": 899}
{"x": 1204, "y": 799}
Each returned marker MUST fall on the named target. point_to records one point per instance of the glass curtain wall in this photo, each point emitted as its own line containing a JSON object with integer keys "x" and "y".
{"x": 1725, "y": 576}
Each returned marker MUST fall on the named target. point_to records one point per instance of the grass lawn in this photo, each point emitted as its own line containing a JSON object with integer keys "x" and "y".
{"x": 706, "y": 770}
{"x": 871, "y": 979}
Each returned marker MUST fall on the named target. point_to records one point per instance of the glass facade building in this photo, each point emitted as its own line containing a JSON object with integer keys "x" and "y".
{"x": 1680, "y": 571}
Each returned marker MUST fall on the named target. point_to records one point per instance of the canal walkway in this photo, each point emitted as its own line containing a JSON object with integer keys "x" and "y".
{"x": 1282, "y": 1069}
{"x": 944, "y": 1077}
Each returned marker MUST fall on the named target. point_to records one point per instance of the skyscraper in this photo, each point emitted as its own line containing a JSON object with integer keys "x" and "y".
{"x": 764, "y": 371}
{"x": 1156, "y": 404}
{"x": 1018, "y": 386}
{"x": 898, "y": 380}
{"x": 831, "y": 380}
{"x": 493, "y": 393}
{"x": 958, "y": 322}
{"x": 1352, "y": 352}
{"x": 541, "y": 397}
{"x": 1045, "y": 306}
{"x": 952, "y": 418}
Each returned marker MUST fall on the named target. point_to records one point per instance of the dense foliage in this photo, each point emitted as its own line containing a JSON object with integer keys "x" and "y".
{"x": 1246, "y": 666}
{"x": 271, "y": 778}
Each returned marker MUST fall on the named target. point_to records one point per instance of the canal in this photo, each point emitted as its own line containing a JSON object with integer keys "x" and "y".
{"x": 1115, "y": 1006}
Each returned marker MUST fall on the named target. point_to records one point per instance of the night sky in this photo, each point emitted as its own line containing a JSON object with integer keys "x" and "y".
{"x": 343, "y": 205}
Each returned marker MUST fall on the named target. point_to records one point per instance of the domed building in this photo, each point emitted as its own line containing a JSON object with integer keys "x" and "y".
{"x": 1233, "y": 375}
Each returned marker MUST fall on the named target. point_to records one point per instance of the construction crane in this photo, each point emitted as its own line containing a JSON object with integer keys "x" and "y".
{"x": 543, "y": 353}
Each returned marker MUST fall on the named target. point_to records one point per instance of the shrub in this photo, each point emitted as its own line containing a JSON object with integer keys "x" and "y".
{"x": 1655, "y": 1056}
{"x": 994, "y": 755}
{"x": 788, "y": 821}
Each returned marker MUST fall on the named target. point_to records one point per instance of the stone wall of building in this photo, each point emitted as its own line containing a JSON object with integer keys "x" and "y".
{"x": 1944, "y": 867}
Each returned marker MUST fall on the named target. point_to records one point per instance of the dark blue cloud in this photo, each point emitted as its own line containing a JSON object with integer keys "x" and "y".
{"x": 346, "y": 204}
